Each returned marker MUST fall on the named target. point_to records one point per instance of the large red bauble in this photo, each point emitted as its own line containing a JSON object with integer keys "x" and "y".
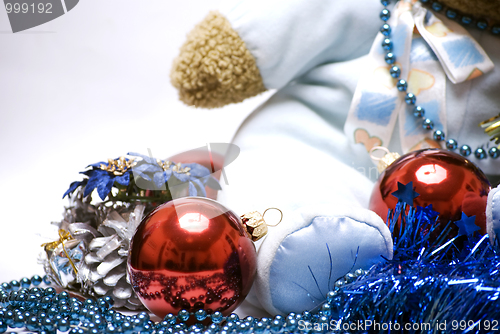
{"x": 448, "y": 181}
{"x": 191, "y": 253}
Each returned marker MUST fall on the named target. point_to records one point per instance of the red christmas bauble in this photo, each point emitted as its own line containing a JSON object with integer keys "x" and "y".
{"x": 448, "y": 181}
{"x": 191, "y": 253}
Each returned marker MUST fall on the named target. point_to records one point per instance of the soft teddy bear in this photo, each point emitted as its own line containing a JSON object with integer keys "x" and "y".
{"x": 306, "y": 150}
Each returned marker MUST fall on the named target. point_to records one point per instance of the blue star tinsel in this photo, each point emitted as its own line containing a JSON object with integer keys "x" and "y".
{"x": 432, "y": 285}
{"x": 405, "y": 193}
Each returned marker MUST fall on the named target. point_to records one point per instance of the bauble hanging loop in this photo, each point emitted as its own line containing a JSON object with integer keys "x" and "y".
{"x": 256, "y": 225}
{"x": 386, "y": 160}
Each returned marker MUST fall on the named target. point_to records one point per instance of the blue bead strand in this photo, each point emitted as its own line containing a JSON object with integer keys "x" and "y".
{"x": 43, "y": 310}
{"x": 464, "y": 19}
{"x": 387, "y": 44}
{"x": 395, "y": 72}
{"x": 385, "y": 14}
{"x": 402, "y": 85}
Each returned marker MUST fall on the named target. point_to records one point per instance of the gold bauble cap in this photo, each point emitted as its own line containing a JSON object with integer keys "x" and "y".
{"x": 255, "y": 225}
{"x": 386, "y": 160}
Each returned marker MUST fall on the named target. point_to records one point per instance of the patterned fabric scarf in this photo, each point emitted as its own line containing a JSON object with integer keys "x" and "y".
{"x": 428, "y": 49}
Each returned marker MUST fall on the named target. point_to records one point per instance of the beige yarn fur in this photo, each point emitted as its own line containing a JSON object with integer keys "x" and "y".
{"x": 477, "y": 8}
{"x": 214, "y": 67}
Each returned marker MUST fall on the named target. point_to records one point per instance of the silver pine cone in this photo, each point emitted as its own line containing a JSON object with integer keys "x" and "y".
{"x": 98, "y": 249}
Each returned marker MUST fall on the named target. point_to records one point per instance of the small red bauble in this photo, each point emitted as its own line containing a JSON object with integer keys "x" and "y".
{"x": 448, "y": 181}
{"x": 191, "y": 253}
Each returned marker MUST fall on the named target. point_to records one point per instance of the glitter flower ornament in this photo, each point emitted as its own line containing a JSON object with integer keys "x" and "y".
{"x": 165, "y": 180}
{"x": 103, "y": 176}
{"x": 156, "y": 174}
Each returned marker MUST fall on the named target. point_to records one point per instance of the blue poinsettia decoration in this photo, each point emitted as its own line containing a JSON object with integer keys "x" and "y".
{"x": 159, "y": 175}
{"x": 144, "y": 178}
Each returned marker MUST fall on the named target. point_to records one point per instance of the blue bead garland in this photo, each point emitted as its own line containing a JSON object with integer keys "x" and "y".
{"x": 410, "y": 99}
{"x": 385, "y": 14}
{"x": 395, "y": 72}
{"x": 463, "y": 19}
{"x": 42, "y": 310}
{"x": 465, "y": 150}
{"x": 428, "y": 124}
{"x": 390, "y": 58}
{"x": 387, "y": 44}
{"x": 437, "y": 6}
{"x": 402, "y": 85}
{"x": 385, "y": 29}
{"x": 480, "y": 153}
{"x": 494, "y": 152}
{"x": 466, "y": 20}
{"x": 418, "y": 111}
{"x": 481, "y": 24}
{"x": 451, "y": 14}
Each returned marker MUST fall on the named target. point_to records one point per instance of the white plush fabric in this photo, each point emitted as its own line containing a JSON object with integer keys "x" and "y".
{"x": 300, "y": 261}
{"x": 294, "y": 152}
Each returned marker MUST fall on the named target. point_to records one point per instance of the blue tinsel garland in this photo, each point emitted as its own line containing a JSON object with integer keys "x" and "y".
{"x": 431, "y": 286}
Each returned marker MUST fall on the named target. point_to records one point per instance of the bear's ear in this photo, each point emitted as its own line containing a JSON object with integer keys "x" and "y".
{"x": 214, "y": 67}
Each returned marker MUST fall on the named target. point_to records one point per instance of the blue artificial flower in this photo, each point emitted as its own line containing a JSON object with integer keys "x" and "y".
{"x": 73, "y": 186}
{"x": 103, "y": 181}
{"x": 148, "y": 174}
{"x": 160, "y": 173}
{"x": 200, "y": 177}
{"x": 146, "y": 167}
{"x": 102, "y": 176}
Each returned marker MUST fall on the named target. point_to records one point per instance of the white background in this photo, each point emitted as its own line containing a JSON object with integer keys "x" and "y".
{"x": 90, "y": 85}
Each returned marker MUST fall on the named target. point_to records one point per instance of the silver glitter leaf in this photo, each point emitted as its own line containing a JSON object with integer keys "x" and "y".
{"x": 95, "y": 276}
{"x": 124, "y": 229}
{"x": 135, "y": 301}
{"x": 116, "y": 222}
{"x": 80, "y": 229}
{"x": 122, "y": 290}
{"x": 119, "y": 303}
{"x": 114, "y": 276}
{"x": 83, "y": 273}
{"x": 97, "y": 243}
{"x": 106, "y": 231}
{"x": 92, "y": 258}
{"x": 135, "y": 220}
{"x": 114, "y": 215}
{"x": 123, "y": 252}
{"x": 109, "y": 247}
{"x": 101, "y": 289}
{"x": 109, "y": 263}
